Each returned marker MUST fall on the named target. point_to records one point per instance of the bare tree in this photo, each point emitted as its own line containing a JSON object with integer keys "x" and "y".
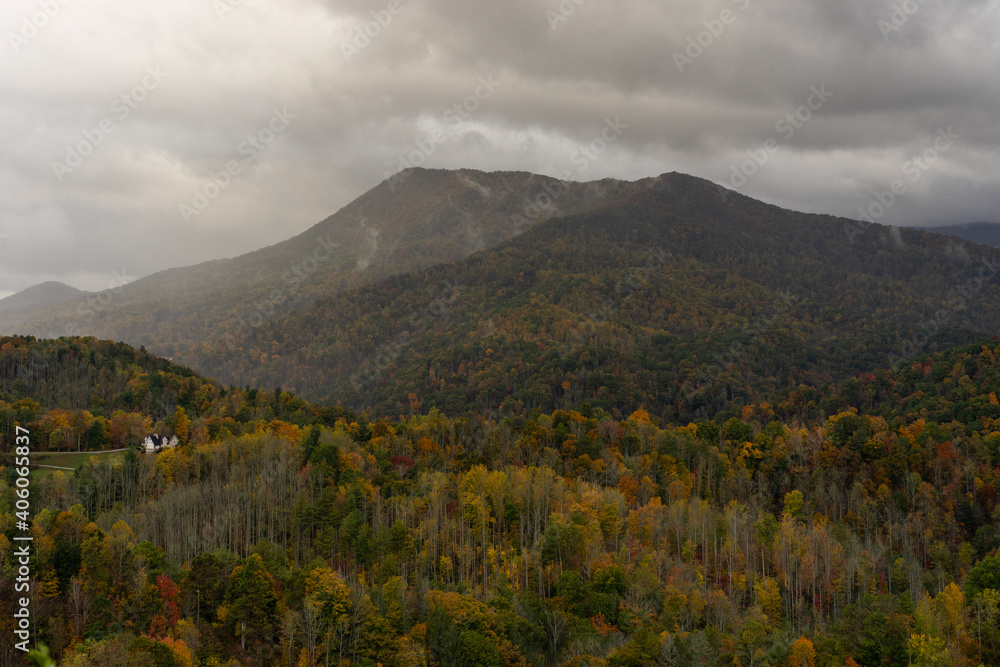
{"x": 79, "y": 606}
{"x": 556, "y": 627}
{"x": 312, "y": 624}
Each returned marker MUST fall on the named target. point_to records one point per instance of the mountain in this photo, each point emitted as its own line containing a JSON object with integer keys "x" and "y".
{"x": 986, "y": 233}
{"x": 667, "y": 296}
{"x": 45, "y": 294}
{"x": 505, "y": 293}
{"x": 415, "y": 220}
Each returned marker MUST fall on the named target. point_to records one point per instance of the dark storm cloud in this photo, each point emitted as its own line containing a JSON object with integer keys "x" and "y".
{"x": 369, "y": 83}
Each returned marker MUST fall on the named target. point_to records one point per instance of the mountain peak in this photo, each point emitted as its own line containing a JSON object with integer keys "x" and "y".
{"x": 43, "y": 294}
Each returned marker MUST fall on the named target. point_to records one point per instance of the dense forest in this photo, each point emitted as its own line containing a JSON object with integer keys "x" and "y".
{"x": 672, "y": 299}
{"x": 497, "y": 294}
{"x": 419, "y": 218}
{"x": 849, "y": 524}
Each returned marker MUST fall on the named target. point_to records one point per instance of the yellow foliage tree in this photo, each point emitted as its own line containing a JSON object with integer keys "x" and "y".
{"x": 769, "y": 599}
{"x": 928, "y": 651}
{"x": 329, "y": 592}
{"x": 182, "y": 425}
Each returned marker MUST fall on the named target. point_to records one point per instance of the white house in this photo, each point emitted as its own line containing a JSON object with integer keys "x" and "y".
{"x": 157, "y": 443}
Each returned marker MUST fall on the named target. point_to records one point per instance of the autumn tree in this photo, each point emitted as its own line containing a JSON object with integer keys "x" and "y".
{"x": 251, "y": 601}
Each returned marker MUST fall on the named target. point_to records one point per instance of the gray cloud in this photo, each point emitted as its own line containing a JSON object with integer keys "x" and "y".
{"x": 355, "y": 118}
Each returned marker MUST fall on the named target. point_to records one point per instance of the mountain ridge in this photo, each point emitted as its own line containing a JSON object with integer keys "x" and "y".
{"x": 42, "y": 294}
{"x": 693, "y": 299}
{"x": 425, "y": 217}
{"x": 528, "y": 330}
{"x": 986, "y": 233}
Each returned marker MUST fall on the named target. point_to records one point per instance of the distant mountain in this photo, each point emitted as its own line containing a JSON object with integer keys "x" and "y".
{"x": 664, "y": 295}
{"x": 417, "y": 219}
{"x": 986, "y": 233}
{"x": 45, "y": 294}
{"x": 508, "y": 292}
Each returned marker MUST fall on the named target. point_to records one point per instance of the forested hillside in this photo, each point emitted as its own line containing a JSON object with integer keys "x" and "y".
{"x": 666, "y": 292}
{"x": 986, "y": 233}
{"x": 853, "y": 524}
{"x": 673, "y": 298}
{"x": 417, "y": 219}
{"x": 86, "y": 394}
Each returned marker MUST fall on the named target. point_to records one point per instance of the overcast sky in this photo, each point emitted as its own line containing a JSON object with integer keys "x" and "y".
{"x": 113, "y": 114}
